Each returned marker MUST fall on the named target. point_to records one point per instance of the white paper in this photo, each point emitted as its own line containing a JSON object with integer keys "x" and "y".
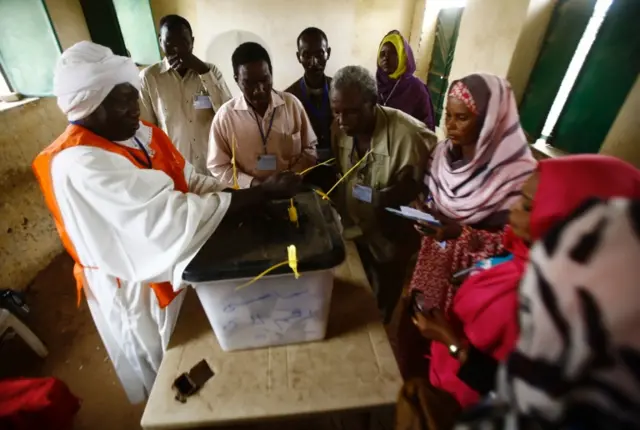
{"x": 422, "y": 216}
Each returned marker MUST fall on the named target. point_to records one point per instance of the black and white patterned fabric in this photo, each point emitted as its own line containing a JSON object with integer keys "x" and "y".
{"x": 577, "y": 361}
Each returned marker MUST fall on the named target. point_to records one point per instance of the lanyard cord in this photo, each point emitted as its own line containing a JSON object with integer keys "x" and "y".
{"x": 391, "y": 93}
{"x": 326, "y": 195}
{"x": 264, "y": 137}
{"x": 307, "y": 99}
{"x": 148, "y": 164}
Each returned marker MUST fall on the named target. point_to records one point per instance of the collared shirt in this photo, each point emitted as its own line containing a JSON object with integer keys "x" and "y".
{"x": 291, "y": 139}
{"x": 398, "y": 140}
{"x": 167, "y": 100}
{"x": 316, "y": 104}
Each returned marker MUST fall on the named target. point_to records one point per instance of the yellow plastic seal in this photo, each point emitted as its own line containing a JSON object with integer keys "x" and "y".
{"x": 293, "y": 214}
{"x": 236, "y": 186}
{"x": 293, "y": 259}
{"x": 292, "y": 262}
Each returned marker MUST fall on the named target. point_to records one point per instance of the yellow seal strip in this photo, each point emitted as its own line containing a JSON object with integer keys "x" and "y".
{"x": 236, "y": 186}
{"x": 293, "y": 214}
{"x": 292, "y": 262}
{"x": 324, "y": 163}
{"x": 326, "y": 195}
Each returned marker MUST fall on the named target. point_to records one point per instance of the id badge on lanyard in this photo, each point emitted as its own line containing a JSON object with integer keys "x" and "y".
{"x": 201, "y": 100}
{"x": 266, "y": 162}
{"x": 361, "y": 192}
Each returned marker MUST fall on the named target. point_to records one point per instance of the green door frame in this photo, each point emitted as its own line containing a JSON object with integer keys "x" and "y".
{"x": 606, "y": 78}
{"x": 567, "y": 25}
{"x": 103, "y": 25}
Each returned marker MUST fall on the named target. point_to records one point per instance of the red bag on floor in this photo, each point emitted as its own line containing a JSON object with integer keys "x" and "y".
{"x": 35, "y": 404}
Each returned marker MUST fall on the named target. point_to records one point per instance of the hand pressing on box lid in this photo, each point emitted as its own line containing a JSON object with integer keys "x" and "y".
{"x": 282, "y": 185}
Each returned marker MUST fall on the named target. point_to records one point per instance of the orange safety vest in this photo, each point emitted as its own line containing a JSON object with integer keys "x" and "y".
{"x": 165, "y": 157}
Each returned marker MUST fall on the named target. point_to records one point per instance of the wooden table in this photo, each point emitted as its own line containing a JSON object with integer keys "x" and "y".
{"x": 352, "y": 369}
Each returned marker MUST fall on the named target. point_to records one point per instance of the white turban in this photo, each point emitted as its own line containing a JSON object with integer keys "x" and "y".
{"x": 85, "y": 74}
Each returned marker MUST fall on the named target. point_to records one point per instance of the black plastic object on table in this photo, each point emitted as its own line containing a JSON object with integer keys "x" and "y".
{"x": 244, "y": 247}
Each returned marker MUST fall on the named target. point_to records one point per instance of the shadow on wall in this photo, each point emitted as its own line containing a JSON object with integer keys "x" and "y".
{"x": 221, "y": 48}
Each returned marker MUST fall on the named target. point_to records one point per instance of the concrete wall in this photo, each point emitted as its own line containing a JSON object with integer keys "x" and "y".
{"x": 68, "y": 21}
{"x": 28, "y": 239}
{"x": 501, "y": 37}
{"x": 525, "y": 53}
{"x": 354, "y": 29}
{"x": 423, "y": 44}
{"x": 623, "y": 140}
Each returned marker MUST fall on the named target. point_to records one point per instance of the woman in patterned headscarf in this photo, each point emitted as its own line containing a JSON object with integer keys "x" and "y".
{"x": 473, "y": 177}
{"x": 576, "y": 364}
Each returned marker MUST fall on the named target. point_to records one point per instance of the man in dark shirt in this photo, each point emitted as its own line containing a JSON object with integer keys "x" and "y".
{"x": 313, "y": 88}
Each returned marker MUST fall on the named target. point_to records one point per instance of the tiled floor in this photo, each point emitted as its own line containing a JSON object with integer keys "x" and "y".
{"x": 77, "y": 357}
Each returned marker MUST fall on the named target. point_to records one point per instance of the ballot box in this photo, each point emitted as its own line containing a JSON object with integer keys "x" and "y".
{"x": 277, "y": 308}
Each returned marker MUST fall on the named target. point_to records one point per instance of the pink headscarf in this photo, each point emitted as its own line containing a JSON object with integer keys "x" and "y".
{"x": 491, "y": 181}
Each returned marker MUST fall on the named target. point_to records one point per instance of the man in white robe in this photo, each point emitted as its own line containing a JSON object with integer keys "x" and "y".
{"x": 129, "y": 209}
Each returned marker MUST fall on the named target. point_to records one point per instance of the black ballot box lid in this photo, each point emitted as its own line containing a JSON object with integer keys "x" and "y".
{"x": 244, "y": 246}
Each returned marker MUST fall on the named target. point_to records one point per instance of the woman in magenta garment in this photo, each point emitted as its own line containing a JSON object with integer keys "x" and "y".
{"x": 485, "y": 309}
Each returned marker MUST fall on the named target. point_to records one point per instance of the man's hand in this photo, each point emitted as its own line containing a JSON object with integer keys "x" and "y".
{"x": 188, "y": 61}
{"x": 403, "y": 190}
{"x": 282, "y": 185}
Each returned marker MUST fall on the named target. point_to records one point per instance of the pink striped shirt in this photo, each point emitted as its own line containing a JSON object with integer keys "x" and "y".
{"x": 291, "y": 139}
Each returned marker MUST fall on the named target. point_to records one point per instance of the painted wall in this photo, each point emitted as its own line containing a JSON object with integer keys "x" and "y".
{"x": 623, "y": 139}
{"x": 28, "y": 240}
{"x": 354, "y": 29}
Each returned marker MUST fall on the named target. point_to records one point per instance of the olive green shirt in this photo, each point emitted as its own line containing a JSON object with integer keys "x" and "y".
{"x": 398, "y": 140}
